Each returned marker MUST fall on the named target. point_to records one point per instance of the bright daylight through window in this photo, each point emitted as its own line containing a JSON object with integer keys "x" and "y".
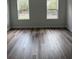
{"x": 23, "y": 9}
{"x": 52, "y": 9}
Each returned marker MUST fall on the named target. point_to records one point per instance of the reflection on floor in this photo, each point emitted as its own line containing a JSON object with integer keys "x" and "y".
{"x": 39, "y": 44}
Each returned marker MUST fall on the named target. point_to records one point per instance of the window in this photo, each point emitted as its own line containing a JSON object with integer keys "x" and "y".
{"x": 52, "y": 9}
{"x": 23, "y": 9}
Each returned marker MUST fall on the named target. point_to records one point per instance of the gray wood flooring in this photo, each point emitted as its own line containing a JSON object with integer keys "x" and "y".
{"x": 39, "y": 44}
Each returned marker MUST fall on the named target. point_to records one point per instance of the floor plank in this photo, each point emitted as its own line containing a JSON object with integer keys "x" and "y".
{"x": 39, "y": 44}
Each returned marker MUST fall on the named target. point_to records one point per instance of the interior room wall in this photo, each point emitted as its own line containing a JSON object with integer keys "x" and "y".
{"x": 69, "y": 15}
{"x": 37, "y": 15}
{"x": 8, "y": 16}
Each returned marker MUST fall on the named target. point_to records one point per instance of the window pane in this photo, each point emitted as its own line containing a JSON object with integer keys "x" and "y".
{"x": 23, "y": 9}
{"x": 52, "y": 9}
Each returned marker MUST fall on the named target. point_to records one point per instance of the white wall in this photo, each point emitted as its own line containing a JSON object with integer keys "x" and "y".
{"x": 69, "y": 15}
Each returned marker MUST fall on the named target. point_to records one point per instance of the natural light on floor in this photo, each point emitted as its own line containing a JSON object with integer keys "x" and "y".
{"x": 52, "y": 9}
{"x": 23, "y": 9}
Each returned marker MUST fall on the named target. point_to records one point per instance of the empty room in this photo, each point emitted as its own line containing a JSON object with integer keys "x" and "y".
{"x": 39, "y": 29}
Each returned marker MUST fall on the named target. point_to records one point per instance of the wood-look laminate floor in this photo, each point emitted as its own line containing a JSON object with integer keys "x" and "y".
{"x": 39, "y": 44}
